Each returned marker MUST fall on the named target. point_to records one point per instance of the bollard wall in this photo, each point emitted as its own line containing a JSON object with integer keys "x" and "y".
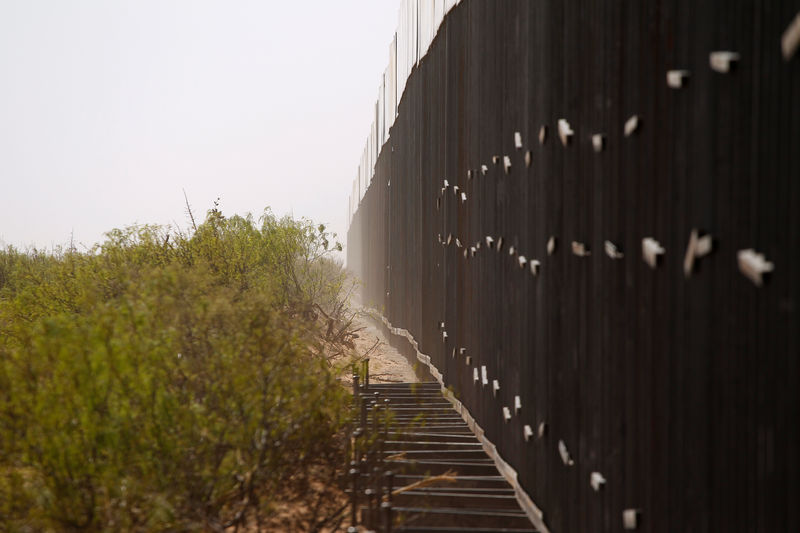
{"x": 679, "y": 384}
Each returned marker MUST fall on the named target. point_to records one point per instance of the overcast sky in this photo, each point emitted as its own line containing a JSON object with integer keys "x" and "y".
{"x": 109, "y": 108}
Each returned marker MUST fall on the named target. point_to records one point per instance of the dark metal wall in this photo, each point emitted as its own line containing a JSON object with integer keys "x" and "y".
{"x": 684, "y": 393}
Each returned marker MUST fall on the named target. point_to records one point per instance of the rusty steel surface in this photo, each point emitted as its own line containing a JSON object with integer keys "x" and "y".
{"x": 679, "y": 385}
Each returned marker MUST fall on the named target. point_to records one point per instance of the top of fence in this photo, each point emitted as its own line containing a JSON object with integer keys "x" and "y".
{"x": 418, "y": 22}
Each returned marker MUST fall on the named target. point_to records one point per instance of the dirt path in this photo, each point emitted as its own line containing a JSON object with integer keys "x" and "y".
{"x": 386, "y": 365}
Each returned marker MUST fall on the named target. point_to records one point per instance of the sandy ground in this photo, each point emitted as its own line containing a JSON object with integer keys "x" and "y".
{"x": 386, "y": 365}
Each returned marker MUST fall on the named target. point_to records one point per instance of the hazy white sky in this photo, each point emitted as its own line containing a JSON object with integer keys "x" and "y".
{"x": 108, "y": 108}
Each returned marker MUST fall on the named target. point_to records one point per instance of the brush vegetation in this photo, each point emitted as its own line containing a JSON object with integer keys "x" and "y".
{"x": 167, "y": 380}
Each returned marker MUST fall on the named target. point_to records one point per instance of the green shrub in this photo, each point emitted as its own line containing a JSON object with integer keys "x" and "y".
{"x": 165, "y": 381}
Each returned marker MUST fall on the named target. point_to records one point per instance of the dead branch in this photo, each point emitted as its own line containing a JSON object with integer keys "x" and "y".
{"x": 447, "y": 477}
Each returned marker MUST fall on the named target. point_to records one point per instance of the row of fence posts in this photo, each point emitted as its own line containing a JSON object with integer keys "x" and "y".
{"x": 367, "y": 472}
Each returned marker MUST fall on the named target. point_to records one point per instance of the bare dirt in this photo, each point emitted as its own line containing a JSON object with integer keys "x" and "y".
{"x": 386, "y": 364}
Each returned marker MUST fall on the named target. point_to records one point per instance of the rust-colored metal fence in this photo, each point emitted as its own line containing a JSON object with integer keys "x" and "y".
{"x": 642, "y": 347}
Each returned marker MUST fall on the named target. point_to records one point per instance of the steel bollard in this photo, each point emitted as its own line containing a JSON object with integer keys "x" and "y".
{"x": 356, "y": 451}
{"x": 389, "y": 475}
{"x": 369, "y": 495}
{"x": 386, "y": 508}
{"x": 376, "y": 486}
{"x": 374, "y": 412}
{"x": 386, "y": 419}
{"x": 354, "y": 496}
{"x": 364, "y": 415}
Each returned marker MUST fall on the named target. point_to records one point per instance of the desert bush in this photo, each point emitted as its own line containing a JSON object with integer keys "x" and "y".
{"x": 165, "y": 380}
